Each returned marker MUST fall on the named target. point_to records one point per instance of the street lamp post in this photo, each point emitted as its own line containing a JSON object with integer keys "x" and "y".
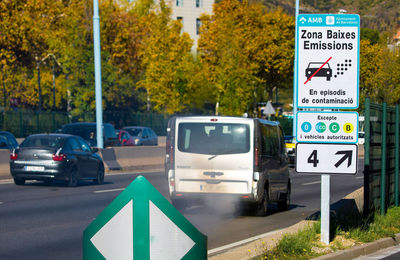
{"x": 4, "y": 87}
{"x": 39, "y": 89}
{"x": 38, "y": 62}
{"x": 97, "y": 73}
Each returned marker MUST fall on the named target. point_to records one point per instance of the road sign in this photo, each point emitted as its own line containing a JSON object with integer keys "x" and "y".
{"x": 326, "y": 158}
{"x": 327, "y": 60}
{"x": 141, "y": 224}
{"x": 327, "y": 127}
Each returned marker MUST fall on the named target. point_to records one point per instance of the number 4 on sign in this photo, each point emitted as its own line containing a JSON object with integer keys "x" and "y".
{"x": 313, "y": 158}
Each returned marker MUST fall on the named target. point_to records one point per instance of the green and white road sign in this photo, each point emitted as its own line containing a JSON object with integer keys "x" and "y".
{"x": 141, "y": 224}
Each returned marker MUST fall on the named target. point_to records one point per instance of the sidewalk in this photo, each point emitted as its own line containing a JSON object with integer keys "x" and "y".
{"x": 257, "y": 246}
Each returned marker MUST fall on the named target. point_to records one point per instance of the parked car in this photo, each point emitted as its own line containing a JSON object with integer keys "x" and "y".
{"x": 50, "y": 157}
{"x": 87, "y": 131}
{"x": 142, "y": 135}
{"x": 7, "y": 140}
{"x": 361, "y": 137}
{"x": 290, "y": 144}
{"x": 124, "y": 138}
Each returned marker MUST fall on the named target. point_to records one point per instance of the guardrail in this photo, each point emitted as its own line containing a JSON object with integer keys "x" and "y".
{"x": 125, "y": 158}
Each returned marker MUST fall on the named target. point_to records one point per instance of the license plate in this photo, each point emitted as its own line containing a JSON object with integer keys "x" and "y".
{"x": 34, "y": 168}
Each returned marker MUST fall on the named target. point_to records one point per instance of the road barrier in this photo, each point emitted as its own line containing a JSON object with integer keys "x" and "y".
{"x": 127, "y": 158}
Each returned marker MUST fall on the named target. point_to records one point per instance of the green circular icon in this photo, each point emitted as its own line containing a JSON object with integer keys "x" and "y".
{"x": 334, "y": 127}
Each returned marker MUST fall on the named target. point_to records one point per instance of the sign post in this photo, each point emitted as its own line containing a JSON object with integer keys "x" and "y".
{"x": 326, "y": 77}
{"x": 141, "y": 224}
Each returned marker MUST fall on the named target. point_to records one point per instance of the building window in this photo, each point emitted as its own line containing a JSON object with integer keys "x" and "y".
{"x": 199, "y": 3}
{"x": 180, "y": 19}
{"x": 198, "y": 25}
{"x": 179, "y": 2}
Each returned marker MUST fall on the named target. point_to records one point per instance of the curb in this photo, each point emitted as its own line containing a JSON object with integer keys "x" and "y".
{"x": 361, "y": 250}
{"x": 257, "y": 247}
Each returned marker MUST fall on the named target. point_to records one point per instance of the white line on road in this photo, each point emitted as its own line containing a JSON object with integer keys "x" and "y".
{"x": 102, "y": 191}
{"x": 1, "y": 202}
{"x": 6, "y": 181}
{"x": 236, "y": 244}
{"x": 311, "y": 183}
{"x": 360, "y": 177}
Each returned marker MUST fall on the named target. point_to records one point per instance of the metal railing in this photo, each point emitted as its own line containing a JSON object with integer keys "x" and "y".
{"x": 23, "y": 122}
{"x": 381, "y": 157}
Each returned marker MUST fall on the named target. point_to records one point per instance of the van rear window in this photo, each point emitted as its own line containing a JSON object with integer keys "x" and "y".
{"x": 215, "y": 139}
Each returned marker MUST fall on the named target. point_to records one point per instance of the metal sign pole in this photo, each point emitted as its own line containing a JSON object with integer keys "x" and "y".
{"x": 97, "y": 72}
{"x": 325, "y": 207}
{"x": 295, "y": 74}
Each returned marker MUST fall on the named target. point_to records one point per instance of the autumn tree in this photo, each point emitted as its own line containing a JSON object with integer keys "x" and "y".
{"x": 167, "y": 61}
{"x": 245, "y": 50}
{"x": 379, "y": 73}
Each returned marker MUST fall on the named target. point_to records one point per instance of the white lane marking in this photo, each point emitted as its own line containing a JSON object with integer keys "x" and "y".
{"x": 311, "y": 183}
{"x": 6, "y": 181}
{"x": 112, "y": 190}
{"x": 242, "y": 242}
{"x": 360, "y": 177}
{"x": 137, "y": 172}
{"x": 1, "y": 202}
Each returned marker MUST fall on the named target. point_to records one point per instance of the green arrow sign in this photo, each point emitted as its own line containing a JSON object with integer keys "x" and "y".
{"x": 141, "y": 224}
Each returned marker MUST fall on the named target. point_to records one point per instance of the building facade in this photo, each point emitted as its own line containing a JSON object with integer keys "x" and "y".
{"x": 188, "y": 12}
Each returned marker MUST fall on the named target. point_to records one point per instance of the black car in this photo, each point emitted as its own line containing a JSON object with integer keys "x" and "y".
{"x": 7, "y": 140}
{"x": 87, "y": 130}
{"x": 50, "y": 157}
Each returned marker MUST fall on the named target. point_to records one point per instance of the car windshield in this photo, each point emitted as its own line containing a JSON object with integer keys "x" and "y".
{"x": 213, "y": 139}
{"x": 134, "y": 131}
{"x": 43, "y": 141}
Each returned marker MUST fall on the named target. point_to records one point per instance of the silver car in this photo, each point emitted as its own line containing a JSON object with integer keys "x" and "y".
{"x": 142, "y": 135}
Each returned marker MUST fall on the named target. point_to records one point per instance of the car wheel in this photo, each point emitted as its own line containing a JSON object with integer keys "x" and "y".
{"x": 284, "y": 204}
{"x": 19, "y": 181}
{"x": 73, "y": 178}
{"x": 262, "y": 206}
{"x": 100, "y": 176}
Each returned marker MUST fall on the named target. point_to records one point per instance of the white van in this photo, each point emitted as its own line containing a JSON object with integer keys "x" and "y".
{"x": 244, "y": 158}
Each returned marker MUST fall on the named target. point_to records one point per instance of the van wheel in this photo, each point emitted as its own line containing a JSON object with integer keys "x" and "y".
{"x": 19, "y": 181}
{"x": 284, "y": 204}
{"x": 262, "y": 206}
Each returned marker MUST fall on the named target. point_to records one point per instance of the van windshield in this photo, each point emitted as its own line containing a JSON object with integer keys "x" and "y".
{"x": 213, "y": 138}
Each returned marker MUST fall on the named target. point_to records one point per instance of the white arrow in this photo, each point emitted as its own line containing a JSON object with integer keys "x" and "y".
{"x": 167, "y": 240}
{"x": 115, "y": 239}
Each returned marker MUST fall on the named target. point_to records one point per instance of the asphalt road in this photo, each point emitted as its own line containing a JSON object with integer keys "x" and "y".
{"x": 39, "y": 221}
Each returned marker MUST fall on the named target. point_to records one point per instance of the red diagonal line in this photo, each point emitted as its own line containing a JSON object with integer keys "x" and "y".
{"x": 317, "y": 71}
